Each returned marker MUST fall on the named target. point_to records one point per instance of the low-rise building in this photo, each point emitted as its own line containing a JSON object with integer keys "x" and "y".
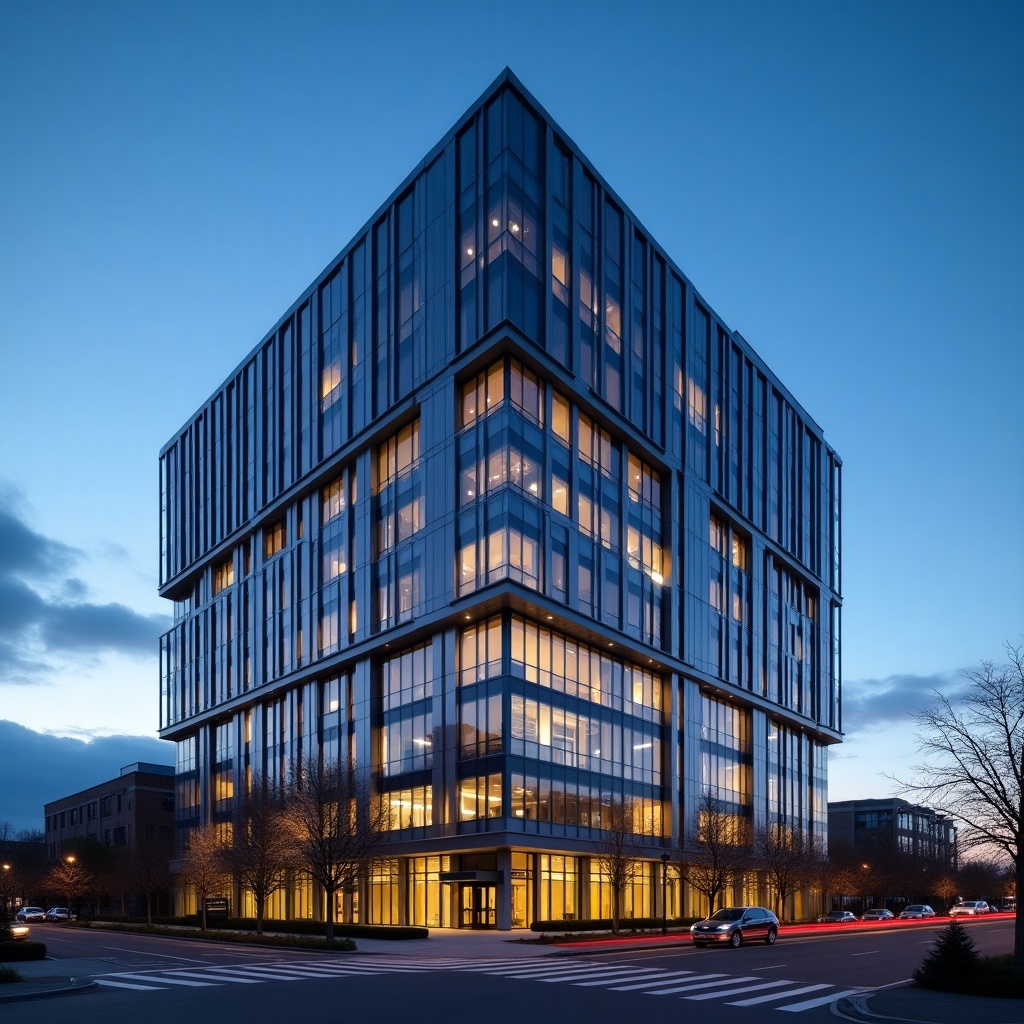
{"x": 137, "y": 806}
{"x": 865, "y": 828}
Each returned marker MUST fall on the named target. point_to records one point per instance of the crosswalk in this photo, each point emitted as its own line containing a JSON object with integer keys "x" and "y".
{"x": 694, "y": 986}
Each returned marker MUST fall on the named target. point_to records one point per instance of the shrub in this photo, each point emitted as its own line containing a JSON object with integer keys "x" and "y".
{"x": 998, "y": 976}
{"x": 952, "y": 965}
{"x": 9, "y": 974}
{"x": 22, "y": 950}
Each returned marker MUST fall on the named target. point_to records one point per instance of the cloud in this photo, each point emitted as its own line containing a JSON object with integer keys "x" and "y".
{"x": 869, "y": 703}
{"x": 45, "y": 614}
{"x": 39, "y": 768}
{"x": 25, "y": 552}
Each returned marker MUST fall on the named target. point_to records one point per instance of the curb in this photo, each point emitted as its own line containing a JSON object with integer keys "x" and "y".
{"x": 854, "y": 1008}
{"x": 73, "y": 987}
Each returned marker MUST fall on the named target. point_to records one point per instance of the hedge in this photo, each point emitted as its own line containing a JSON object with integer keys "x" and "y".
{"x": 21, "y": 950}
{"x": 604, "y": 924}
{"x": 315, "y": 929}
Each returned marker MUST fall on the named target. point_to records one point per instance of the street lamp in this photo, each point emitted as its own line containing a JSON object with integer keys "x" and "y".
{"x": 71, "y": 878}
{"x": 664, "y": 887}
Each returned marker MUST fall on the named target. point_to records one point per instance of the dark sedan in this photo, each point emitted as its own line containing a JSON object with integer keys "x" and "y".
{"x": 735, "y": 925}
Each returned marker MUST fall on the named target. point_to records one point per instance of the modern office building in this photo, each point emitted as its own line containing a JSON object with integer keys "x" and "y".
{"x": 891, "y": 826}
{"x": 502, "y": 513}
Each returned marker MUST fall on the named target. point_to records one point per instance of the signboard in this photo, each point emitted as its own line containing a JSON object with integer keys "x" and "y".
{"x": 217, "y": 905}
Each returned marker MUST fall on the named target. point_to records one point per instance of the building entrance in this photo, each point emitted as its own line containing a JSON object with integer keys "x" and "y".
{"x": 477, "y": 906}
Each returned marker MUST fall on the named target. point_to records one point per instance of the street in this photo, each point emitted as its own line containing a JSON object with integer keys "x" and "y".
{"x": 167, "y": 980}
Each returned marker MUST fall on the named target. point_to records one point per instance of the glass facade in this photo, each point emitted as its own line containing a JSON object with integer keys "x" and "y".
{"x": 501, "y": 512}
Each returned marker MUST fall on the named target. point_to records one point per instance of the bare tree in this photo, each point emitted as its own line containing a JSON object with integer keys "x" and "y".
{"x": 973, "y": 764}
{"x": 708, "y": 858}
{"x": 148, "y": 869}
{"x": 785, "y": 854}
{"x": 339, "y": 827}
{"x": 70, "y": 878}
{"x": 945, "y": 887}
{"x": 203, "y": 868}
{"x": 618, "y": 853}
{"x": 261, "y": 850}
{"x": 827, "y": 874}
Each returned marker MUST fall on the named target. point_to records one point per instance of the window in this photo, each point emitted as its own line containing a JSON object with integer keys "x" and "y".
{"x": 480, "y": 797}
{"x": 527, "y": 393}
{"x": 274, "y": 538}
{"x": 409, "y": 808}
{"x": 398, "y": 454}
{"x": 407, "y": 677}
{"x": 223, "y": 575}
{"x": 560, "y": 418}
{"x": 407, "y": 743}
{"x": 480, "y": 727}
{"x": 483, "y": 394}
{"x": 480, "y": 652}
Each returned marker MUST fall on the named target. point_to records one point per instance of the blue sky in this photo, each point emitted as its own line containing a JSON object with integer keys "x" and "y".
{"x": 841, "y": 181}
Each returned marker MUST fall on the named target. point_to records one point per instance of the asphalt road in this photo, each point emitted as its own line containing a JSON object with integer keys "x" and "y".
{"x": 160, "y": 980}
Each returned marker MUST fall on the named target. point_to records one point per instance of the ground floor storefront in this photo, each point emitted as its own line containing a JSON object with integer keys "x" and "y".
{"x": 501, "y": 889}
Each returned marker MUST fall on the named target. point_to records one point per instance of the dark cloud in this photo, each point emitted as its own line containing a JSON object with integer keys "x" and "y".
{"x": 38, "y": 768}
{"x": 45, "y": 613}
{"x": 894, "y": 699}
{"x": 93, "y": 627}
{"x": 27, "y": 553}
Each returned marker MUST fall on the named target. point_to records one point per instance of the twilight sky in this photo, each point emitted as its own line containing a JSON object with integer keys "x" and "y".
{"x": 841, "y": 181}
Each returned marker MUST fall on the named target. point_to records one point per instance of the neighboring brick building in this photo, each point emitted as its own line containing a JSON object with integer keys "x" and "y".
{"x": 137, "y": 805}
{"x": 892, "y": 825}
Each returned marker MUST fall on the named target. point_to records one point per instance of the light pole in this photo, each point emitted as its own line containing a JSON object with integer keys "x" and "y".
{"x": 72, "y": 878}
{"x": 6, "y": 893}
{"x": 664, "y": 888}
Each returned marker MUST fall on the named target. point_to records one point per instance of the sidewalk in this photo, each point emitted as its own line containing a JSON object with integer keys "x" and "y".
{"x": 906, "y": 1003}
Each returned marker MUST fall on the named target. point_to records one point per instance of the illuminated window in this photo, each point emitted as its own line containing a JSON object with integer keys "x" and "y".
{"x": 559, "y": 495}
{"x": 274, "y": 538}
{"x": 480, "y": 797}
{"x": 716, "y": 536}
{"x": 398, "y": 454}
{"x": 739, "y": 552}
{"x": 483, "y": 394}
{"x": 480, "y": 652}
{"x": 332, "y": 500}
{"x": 560, "y": 417}
{"x": 560, "y": 266}
{"x": 697, "y": 405}
{"x": 223, "y": 575}
{"x": 409, "y": 808}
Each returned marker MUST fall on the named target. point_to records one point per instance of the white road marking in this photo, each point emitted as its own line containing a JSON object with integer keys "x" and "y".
{"x": 809, "y": 1004}
{"x": 779, "y": 995}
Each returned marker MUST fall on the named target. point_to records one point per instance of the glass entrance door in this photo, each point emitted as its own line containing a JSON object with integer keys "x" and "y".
{"x": 477, "y": 906}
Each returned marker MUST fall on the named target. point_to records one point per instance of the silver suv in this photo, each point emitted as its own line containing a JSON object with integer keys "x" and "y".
{"x": 971, "y": 908}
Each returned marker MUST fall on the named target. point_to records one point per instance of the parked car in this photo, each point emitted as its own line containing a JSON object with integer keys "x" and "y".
{"x": 838, "y": 917}
{"x": 969, "y": 908}
{"x": 27, "y": 914}
{"x": 59, "y": 914}
{"x": 916, "y": 911}
{"x": 736, "y": 925}
{"x": 878, "y": 914}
